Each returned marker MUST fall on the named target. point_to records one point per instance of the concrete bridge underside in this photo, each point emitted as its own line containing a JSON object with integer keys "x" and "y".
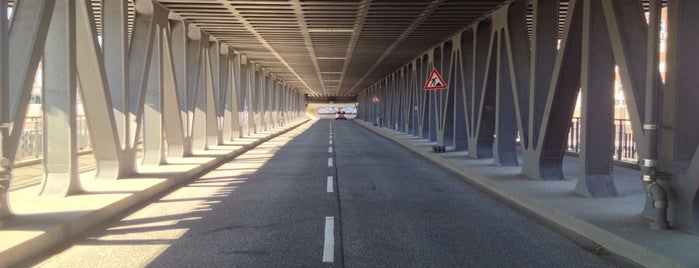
{"x": 167, "y": 78}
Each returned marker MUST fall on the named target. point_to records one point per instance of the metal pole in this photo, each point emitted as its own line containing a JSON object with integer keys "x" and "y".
{"x": 654, "y": 191}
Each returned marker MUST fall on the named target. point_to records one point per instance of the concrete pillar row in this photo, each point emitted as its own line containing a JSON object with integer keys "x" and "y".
{"x": 515, "y": 85}
{"x": 168, "y": 85}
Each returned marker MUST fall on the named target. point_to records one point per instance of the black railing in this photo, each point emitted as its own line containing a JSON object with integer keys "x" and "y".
{"x": 31, "y": 143}
{"x": 624, "y": 146}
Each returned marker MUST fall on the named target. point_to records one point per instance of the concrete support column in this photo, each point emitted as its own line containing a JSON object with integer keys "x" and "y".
{"x": 141, "y": 47}
{"x": 415, "y": 103}
{"x": 404, "y": 111}
{"x": 21, "y": 45}
{"x": 218, "y": 56}
{"x": 545, "y": 162}
{"x": 251, "y": 82}
{"x": 243, "y": 95}
{"x": 277, "y": 118}
{"x": 177, "y": 144}
{"x": 231, "y": 125}
{"x": 680, "y": 127}
{"x": 59, "y": 93}
{"x": 181, "y": 57}
{"x": 212, "y": 131}
{"x": 513, "y": 59}
{"x": 597, "y": 83}
{"x": 153, "y": 134}
{"x": 262, "y": 99}
{"x": 542, "y": 59}
{"x": 424, "y": 109}
{"x": 597, "y": 110}
{"x": 504, "y": 148}
{"x": 482, "y": 104}
{"x": 116, "y": 50}
{"x": 463, "y": 85}
{"x": 271, "y": 86}
{"x": 390, "y": 91}
{"x": 199, "y": 95}
{"x": 283, "y": 114}
{"x": 444, "y": 110}
{"x": 5, "y": 155}
{"x": 94, "y": 89}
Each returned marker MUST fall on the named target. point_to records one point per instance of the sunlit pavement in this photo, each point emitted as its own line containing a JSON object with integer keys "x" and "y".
{"x": 42, "y": 222}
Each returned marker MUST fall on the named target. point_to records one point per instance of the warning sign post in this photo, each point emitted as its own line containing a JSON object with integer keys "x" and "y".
{"x": 435, "y": 81}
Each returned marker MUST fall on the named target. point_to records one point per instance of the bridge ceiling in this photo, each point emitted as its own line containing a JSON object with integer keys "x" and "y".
{"x": 331, "y": 47}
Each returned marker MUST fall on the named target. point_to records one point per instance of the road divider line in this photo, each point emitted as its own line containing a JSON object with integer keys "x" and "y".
{"x": 329, "y": 248}
{"x": 330, "y": 184}
{"x": 330, "y": 149}
{"x": 331, "y": 142}
{"x": 330, "y": 162}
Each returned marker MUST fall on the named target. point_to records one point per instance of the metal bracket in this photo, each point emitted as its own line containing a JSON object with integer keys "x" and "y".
{"x": 649, "y": 163}
{"x": 651, "y": 126}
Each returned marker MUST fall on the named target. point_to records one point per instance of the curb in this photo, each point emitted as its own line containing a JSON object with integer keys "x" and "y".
{"x": 541, "y": 211}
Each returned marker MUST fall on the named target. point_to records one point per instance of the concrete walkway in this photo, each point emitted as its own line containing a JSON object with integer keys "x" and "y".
{"x": 612, "y": 223}
{"x": 43, "y": 222}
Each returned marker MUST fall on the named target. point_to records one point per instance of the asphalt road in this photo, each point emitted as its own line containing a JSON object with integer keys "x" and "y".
{"x": 326, "y": 194}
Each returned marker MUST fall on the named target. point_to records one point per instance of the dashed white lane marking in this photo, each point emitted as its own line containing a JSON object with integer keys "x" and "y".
{"x": 330, "y": 184}
{"x": 330, "y": 162}
{"x": 329, "y": 248}
{"x": 330, "y": 149}
{"x": 331, "y": 142}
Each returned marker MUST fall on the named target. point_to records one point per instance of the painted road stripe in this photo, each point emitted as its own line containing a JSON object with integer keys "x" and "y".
{"x": 329, "y": 249}
{"x": 330, "y": 162}
{"x": 330, "y": 149}
{"x": 331, "y": 141}
{"x": 330, "y": 184}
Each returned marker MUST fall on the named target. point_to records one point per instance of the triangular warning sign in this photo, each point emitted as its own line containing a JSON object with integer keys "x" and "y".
{"x": 435, "y": 81}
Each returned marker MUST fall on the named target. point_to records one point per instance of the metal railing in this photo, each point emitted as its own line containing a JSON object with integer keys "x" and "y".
{"x": 32, "y": 139}
{"x": 31, "y": 143}
{"x": 624, "y": 146}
